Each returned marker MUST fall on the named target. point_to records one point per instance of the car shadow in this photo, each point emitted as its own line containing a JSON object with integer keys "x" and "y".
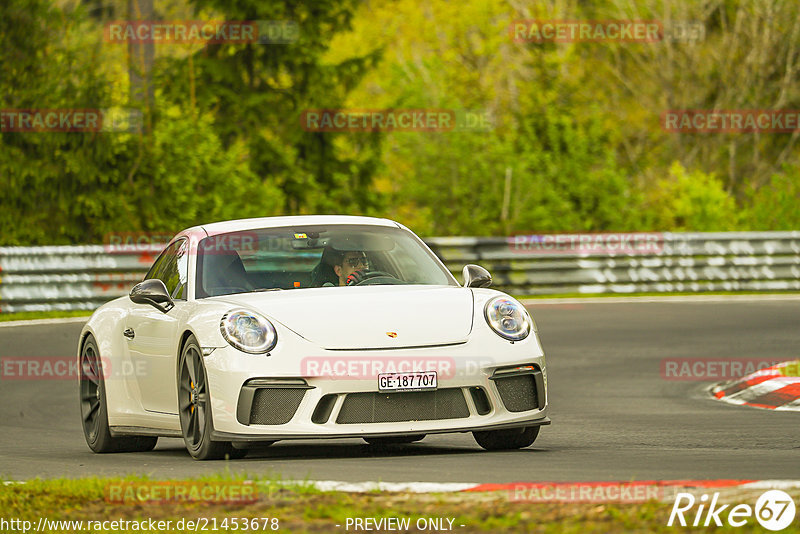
{"x": 319, "y": 450}
{"x": 287, "y": 451}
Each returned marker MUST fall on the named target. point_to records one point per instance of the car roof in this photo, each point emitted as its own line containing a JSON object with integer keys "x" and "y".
{"x": 297, "y": 220}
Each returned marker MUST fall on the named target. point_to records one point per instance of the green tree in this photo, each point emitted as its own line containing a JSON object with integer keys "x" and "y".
{"x": 77, "y": 187}
{"x": 257, "y": 93}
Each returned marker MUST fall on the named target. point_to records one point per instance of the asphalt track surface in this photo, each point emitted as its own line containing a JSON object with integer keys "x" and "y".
{"x": 614, "y": 416}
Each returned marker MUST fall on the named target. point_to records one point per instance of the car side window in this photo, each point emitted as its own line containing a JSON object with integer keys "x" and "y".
{"x": 172, "y": 269}
{"x": 182, "y": 264}
{"x": 157, "y": 265}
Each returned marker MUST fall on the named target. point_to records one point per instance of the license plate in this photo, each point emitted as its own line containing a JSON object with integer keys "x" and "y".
{"x": 414, "y": 381}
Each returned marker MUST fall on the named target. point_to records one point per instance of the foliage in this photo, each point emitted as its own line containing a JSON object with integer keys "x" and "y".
{"x": 574, "y": 141}
{"x": 774, "y": 206}
{"x": 693, "y": 201}
{"x": 257, "y": 93}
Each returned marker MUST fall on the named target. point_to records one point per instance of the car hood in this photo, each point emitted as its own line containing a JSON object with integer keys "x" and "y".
{"x": 368, "y": 317}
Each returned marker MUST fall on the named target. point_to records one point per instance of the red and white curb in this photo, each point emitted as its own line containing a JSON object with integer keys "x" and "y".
{"x": 664, "y": 491}
{"x": 591, "y": 492}
{"x": 768, "y": 388}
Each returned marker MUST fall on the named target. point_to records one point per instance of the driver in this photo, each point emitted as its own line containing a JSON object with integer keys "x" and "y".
{"x": 337, "y": 267}
{"x": 351, "y": 267}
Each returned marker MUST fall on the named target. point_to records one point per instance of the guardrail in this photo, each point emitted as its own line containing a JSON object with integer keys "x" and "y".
{"x": 665, "y": 263}
{"x": 84, "y": 277}
{"x": 69, "y": 277}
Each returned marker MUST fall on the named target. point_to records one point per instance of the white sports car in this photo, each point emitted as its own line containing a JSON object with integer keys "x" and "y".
{"x": 252, "y": 331}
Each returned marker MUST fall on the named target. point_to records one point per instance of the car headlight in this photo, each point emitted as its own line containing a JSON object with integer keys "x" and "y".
{"x": 248, "y": 331}
{"x": 508, "y": 318}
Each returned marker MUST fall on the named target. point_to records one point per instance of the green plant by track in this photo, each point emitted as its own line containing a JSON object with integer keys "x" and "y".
{"x": 300, "y": 507}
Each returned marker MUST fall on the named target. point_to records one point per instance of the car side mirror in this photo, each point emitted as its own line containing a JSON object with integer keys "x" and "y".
{"x": 154, "y": 293}
{"x": 476, "y": 276}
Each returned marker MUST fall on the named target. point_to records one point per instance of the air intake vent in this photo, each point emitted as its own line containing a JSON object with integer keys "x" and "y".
{"x": 324, "y": 408}
{"x": 518, "y": 393}
{"x": 275, "y": 406}
{"x": 270, "y": 401}
{"x": 407, "y": 406}
{"x": 481, "y": 401}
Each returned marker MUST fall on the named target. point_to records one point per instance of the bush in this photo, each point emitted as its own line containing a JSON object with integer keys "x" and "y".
{"x": 692, "y": 201}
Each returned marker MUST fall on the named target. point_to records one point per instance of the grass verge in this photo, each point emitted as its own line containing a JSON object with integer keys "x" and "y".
{"x": 791, "y": 369}
{"x": 300, "y": 508}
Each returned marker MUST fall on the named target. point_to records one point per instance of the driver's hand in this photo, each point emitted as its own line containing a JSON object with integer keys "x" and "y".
{"x": 355, "y": 278}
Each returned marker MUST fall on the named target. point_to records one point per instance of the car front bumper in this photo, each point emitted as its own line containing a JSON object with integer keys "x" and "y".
{"x": 461, "y": 368}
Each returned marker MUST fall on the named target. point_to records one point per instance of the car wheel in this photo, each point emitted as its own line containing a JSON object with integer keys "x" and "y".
{"x": 94, "y": 411}
{"x": 394, "y": 440}
{"x": 513, "y": 438}
{"x": 194, "y": 408}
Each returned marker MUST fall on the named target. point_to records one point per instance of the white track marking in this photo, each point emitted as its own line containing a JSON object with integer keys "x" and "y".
{"x": 37, "y": 322}
{"x": 665, "y": 298}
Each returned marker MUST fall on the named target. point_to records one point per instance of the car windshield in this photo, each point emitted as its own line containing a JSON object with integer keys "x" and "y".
{"x": 313, "y": 256}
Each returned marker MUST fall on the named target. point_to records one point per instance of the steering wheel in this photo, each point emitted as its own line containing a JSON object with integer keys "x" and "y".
{"x": 371, "y": 275}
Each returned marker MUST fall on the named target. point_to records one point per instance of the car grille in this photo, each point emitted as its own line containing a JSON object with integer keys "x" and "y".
{"x": 446, "y": 403}
{"x": 275, "y": 406}
{"x": 518, "y": 393}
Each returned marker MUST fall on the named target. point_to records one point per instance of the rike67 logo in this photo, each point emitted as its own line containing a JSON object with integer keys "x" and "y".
{"x": 774, "y": 510}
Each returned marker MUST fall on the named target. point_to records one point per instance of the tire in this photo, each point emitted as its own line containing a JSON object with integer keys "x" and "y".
{"x": 502, "y": 440}
{"x": 392, "y": 440}
{"x": 194, "y": 408}
{"x": 94, "y": 410}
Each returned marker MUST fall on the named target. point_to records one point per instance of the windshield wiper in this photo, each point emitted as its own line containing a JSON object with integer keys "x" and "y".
{"x": 262, "y": 289}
